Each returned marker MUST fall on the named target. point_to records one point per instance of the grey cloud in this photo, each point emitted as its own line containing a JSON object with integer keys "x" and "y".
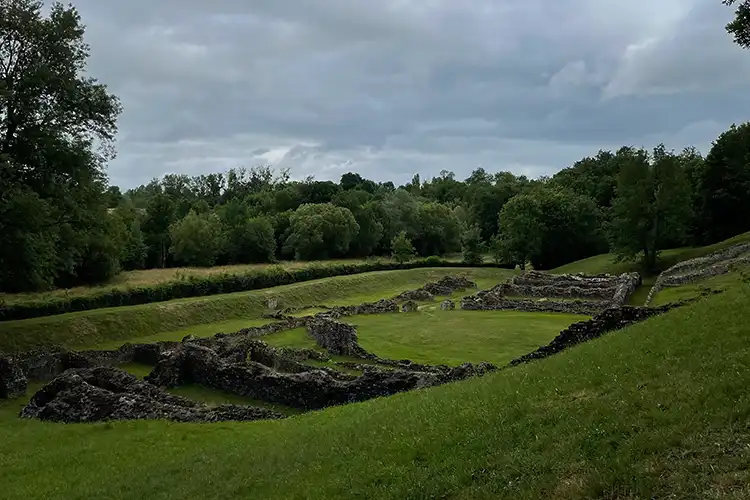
{"x": 397, "y": 87}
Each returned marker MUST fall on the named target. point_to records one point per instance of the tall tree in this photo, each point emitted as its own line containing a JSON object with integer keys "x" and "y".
{"x": 740, "y": 26}
{"x": 723, "y": 187}
{"x": 57, "y": 129}
{"x": 652, "y": 205}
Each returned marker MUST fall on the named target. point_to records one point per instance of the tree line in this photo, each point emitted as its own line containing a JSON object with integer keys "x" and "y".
{"x": 62, "y": 224}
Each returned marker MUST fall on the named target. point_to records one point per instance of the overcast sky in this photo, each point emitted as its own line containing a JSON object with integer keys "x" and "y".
{"x": 390, "y": 88}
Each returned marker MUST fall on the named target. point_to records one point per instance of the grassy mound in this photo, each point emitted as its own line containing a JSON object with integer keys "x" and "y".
{"x": 660, "y": 410}
{"x": 606, "y": 263}
{"x": 446, "y": 337}
{"x": 174, "y": 319}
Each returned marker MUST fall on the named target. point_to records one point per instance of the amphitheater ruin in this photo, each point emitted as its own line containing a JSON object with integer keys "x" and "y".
{"x": 87, "y": 386}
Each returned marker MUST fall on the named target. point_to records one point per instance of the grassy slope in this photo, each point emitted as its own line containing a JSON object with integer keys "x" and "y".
{"x": 606, "y": 263}
{"x": 660, "y": 410}
{"x": 174, "y": 319}
{"x": 147, "y": 277}
{"x": 690, "y": 290}
{"x": 449, "y": 337}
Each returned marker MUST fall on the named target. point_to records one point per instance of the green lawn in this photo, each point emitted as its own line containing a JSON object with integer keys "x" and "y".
{"x": 691, "y": 290}
{"x": 606, "y": 263}
{"x": 134, "y": 323}
{"x": 660, "y": 410}
{"x": 454, "y": 337}
{"x": 446, "y": 337}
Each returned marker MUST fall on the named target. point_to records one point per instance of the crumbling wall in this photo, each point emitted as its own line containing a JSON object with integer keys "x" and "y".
{"x": 604, "y": 322}
{"x": 701, "y": 268}
{"x": 445, "y": 286}
{"x": 536, "y": 292}
{"x": 314, "y": 389}
{"x": 106, "y": 393}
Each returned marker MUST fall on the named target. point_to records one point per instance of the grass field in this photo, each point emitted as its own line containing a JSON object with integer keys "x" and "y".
{"x": 660, "y": 410}
{"x": 691, "y": 290}
{"x": 174, "y": 319}
{"x": 448, "y": 337}
{"x": 606, "y": 263}
{"x": 151, "y": 277}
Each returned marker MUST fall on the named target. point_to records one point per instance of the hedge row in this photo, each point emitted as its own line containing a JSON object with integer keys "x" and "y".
{"x": 210, "y": 285}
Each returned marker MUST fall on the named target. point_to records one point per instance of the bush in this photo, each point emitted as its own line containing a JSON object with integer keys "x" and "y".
{"x": 211, "y": 285}
{"x": 471, "y": 246}
{"x": 402, "y": 248}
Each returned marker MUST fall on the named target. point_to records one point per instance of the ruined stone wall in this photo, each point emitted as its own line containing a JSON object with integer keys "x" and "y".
{"x": 693, "y": 270}
{"x": 605, "y": 290}
{"x": 604, "y": 322}
{"x": 336, "y": 337}
{"x": 489, "y": 302}
{"x": 445, "y": 286}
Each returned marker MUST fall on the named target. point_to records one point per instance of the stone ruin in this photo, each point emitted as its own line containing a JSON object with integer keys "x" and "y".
{"x": 534, "y": 291}
{"x": 690, "y": 271}
{"x": 445, "y": 287}
{"x": 604, "y": 322}
{"x": 447, "y": 305}
{"x": 87, "y": 385}
{"x": 409, "y": 306}
{"x": 106, "y": 393}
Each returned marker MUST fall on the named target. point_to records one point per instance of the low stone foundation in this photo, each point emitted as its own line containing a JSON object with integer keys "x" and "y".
{"x": 12, "y": 379}
{"x": 336, "y": 337}
{"x": 536, "y": 292}
{"x": 105, "y": 393}
{"x": 604, "y": 322}
{"x": 693, "y": 270}
{"x": 313, "y": 389}
{"x": 445, "y": 286}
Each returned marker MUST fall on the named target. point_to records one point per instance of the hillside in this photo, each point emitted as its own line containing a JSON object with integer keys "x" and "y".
{"x": 659, "y": 410}
{"x": 606, "y": 263}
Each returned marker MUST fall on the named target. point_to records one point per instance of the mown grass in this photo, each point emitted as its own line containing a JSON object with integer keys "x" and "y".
{"x": 698, "y": 288}
{"x": 446, "y": 337}
{"x": 174, "y": 319}
{"x": 606, "y": 263}
{"x": 152, "y": 277}
{"x": 659, "y": 410}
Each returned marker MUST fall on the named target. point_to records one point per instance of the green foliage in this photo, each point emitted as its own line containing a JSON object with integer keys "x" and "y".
{"x": 196, "y": 239}
{"x": 51, "y": 173}
{"x": 160, "y": 215}
{"x": 739, "y": 27}
{"x": 129, "y": 237}
{"x": 547, "y": 227}
{"x": 259, "y": 241}
{"x": 402, "y": 249}
{"x": 652, "y": 205}
{"x": 723, "y": 187}
{"x": 320, "y": 231}
{"x": 472, "y": 248}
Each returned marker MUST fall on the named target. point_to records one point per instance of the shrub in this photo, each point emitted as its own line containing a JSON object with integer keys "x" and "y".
{"x": 402, "y": 248}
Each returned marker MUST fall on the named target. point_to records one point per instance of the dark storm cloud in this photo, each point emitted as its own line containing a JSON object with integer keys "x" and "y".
{"x": 397, "y": 87}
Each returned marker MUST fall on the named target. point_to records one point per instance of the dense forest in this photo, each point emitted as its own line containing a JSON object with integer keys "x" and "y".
{"x": 61, "y": 224}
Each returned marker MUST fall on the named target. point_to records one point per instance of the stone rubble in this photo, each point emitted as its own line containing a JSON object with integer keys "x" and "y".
{"x": 12, "y": 378}
{"x": 690, "y": 271}
{"x": 313, "y": 389}
{"x": 447, "y": 305}
{"x": 533, "y": 291}
{"x": 445, "y": 286}
{"x": 106, "y": 393}
{"x": 409, "y": 306}
{"x": 604, "y": 322}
